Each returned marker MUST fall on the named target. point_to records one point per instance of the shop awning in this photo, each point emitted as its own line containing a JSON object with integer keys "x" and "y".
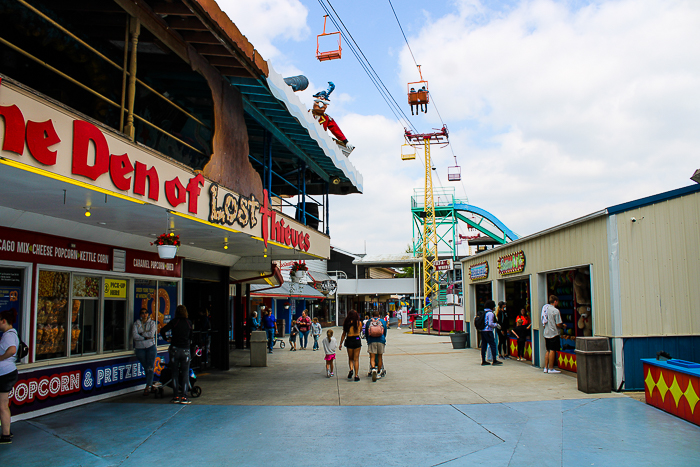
{"x": 286, "y": 290}
{"x": 319, "y": 276}
{"x": 272, "y": 278}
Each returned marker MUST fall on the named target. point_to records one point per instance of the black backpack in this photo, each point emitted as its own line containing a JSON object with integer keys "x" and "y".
{"x": 22, "y": 348}
{"x": 480, "y": 321}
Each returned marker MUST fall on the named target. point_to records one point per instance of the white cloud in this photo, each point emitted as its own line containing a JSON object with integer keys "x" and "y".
{"x": 558, "y": 113}
{"x": 265, "y": 21}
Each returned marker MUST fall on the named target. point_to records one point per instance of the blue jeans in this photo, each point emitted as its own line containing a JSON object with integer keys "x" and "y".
{"x": 270, "y": 333}
{"x": 487, "y": 339}
{"x": 303, "y": 339}
{"x": 180, "y": 367}
{"x": 147, "y": 357}
{"x": 315, "y": 342}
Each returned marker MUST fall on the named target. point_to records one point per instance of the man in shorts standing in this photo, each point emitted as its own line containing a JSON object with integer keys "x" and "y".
{"x": 375, "y": 331}
{"x": 551, "y": 320}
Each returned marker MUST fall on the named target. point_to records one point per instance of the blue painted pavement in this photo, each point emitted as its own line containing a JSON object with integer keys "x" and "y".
{"x": 614, "y": 431}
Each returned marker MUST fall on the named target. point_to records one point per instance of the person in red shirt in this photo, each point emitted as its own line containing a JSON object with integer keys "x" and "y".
{"x": 304, "y": 325}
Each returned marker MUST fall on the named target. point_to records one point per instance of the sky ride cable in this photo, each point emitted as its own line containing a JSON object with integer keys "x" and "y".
{"x": 433, "y": 97}
{"x": 367, "y": 66}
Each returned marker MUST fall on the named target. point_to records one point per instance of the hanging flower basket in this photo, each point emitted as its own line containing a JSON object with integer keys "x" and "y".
{"x": 299, "y": 267}
{"x": 167, "y": 251}
{"x": 167, "y": 245}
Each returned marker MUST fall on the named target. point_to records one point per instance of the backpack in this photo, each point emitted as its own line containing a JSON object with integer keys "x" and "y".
{"x": 22, "y": 348}
{"x": 375, "y": 328}
{"x": 480, "y": 321}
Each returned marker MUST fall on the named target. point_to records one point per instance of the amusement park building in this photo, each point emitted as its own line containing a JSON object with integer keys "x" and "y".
{"x": 628, "y": 272}
{"x": 121, "y": 120}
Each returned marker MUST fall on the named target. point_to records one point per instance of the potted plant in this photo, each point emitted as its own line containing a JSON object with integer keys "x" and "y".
{"x": 459, "y": 339}
{"x": 167, "y": 244}
{"x": 298, "y": 270}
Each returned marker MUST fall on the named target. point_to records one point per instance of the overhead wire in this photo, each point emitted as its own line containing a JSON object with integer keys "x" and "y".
{"x": 454, "y": 156}
{"x": 367, "y": 66}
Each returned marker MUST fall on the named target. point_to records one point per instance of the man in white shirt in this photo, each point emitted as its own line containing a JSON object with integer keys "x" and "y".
{"x": 551, "y": 321}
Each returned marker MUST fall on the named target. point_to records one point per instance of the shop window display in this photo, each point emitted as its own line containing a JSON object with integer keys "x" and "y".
{"x": 114, "y": 325}
{"x": 52, "y": 314}
{"x": 84, "y": 310}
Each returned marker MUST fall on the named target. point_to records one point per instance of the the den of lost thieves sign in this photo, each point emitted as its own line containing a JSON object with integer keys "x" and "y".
{"x": 39, "y": 134}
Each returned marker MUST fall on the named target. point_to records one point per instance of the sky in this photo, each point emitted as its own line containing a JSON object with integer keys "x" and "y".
{"x": 556, "y": 109}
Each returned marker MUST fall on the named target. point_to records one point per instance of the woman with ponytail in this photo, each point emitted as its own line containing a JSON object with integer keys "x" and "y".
{"x": 9, "y": 343}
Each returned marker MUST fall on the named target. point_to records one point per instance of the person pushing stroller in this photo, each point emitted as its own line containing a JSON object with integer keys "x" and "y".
{"x": 180, "y": 341}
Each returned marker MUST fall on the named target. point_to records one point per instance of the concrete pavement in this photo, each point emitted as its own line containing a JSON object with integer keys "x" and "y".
{"x": 437, "y": 406}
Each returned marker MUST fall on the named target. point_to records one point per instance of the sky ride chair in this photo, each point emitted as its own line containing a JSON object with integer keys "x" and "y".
{"x": 454, "y": 173}
{"x": 418, "y": 94}
{"x": 408, "y": 152}
{"x": 333, "y": 54}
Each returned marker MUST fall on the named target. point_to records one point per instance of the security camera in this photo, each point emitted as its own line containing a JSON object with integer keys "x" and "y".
{"x": 634, "y": 219}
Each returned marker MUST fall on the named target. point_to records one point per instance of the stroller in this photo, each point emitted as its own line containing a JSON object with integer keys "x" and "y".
{"x": 166, "y": 379}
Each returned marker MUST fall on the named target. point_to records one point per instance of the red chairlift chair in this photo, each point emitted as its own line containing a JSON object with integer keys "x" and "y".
{"x": 454, "y": 173}
{"x": 418, "y": 95}
{"x": 329, "y": 54}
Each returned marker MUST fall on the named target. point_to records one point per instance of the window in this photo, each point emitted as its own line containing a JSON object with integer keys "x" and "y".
{"x": 84, "y": 314}
{"x": 52, "y": 314}
{"x": 12, "y": 293}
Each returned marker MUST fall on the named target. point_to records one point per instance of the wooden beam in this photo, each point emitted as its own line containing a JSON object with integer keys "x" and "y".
{"x": 157, "y": 26}
{"x": 224, "y": 61}
{"x": 199, "y": 37}
{"x": 238, "y": 72}
{"x": 167, "y": 8}
{"x": 207, "y": 49}
{"x": 186, "y": 24}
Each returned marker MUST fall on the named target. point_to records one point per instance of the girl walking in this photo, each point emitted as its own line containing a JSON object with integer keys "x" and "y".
{"x": 351, "y": 336}
{"x": 329, "y": 346}
{"x": 293, "y": 332}
{"x": 316, "y": 331}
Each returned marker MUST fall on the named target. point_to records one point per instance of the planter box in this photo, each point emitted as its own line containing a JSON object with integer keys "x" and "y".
{"x": 459, "y": 340}
{"x": 673, "y": 387}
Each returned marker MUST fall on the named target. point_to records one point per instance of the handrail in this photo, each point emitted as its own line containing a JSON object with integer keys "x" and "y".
{"x": 103, "y": 57}
{"x": 92, "y": 91}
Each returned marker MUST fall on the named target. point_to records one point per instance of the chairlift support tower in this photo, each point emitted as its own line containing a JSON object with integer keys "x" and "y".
{"x": 430, "y": 242}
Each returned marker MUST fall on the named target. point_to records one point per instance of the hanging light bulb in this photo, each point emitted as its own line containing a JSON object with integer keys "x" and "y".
{"x": 265, "y": 253}
{"x": 87, "y": 212}
{"x": 225, "y": 243}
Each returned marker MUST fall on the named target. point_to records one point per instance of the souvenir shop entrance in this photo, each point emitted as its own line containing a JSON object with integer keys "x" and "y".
{"x": 518, "y": 303}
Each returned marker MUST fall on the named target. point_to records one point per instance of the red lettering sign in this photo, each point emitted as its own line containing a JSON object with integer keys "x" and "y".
{"x": 277, "y": 231}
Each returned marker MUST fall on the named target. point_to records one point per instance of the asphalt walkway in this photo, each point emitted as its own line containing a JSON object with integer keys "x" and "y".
{"x": 437, "y": 406}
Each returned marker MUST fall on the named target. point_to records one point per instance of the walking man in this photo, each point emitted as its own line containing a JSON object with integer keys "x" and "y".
{"x": 551, "y": 320}
{"x": 269, "y": 325}
{"x": 375, "y": 331}
{"x": 487, "y": 339}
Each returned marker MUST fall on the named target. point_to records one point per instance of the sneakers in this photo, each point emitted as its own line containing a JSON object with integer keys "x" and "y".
{"x": 552, "y": 370}
{"x": 357, "y": 378}
{"x": 383, "y": 373}
{"x": 146, "y": 391}
{"x": 485, "y": 363}
{"x": 350, "y": 375}
{"x": 545, "y": 369}
{"x": 175, "y": 400}
{"x": 5, "y": 439}
{"x": 332, "y": 374}
{"x": 269, "y": 351}
{"x": 185, "y": 401}
{"x": 374, "y": 375}
{"x": 328, "y": 373}
{"x": 496, "y": 362}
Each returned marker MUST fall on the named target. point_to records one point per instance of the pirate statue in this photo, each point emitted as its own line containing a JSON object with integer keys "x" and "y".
{"x": 321, "y": 103}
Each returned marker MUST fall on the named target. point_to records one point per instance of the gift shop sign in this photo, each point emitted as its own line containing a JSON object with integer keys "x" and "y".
{"x": 479, "y": 271}
{"x": 47, "y": 387}
{"x": 512, "y": 263}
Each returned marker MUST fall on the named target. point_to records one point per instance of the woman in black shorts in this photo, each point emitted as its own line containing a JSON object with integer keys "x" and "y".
{"x": 351, "y": 336}
{"x": 9, "y": 343}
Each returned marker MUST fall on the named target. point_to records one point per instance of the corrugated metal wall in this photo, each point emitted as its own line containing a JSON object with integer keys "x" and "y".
{"x": 578, "y": 245}
{"x": 685, "y": 348}
{"x": 660, "y": 268}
